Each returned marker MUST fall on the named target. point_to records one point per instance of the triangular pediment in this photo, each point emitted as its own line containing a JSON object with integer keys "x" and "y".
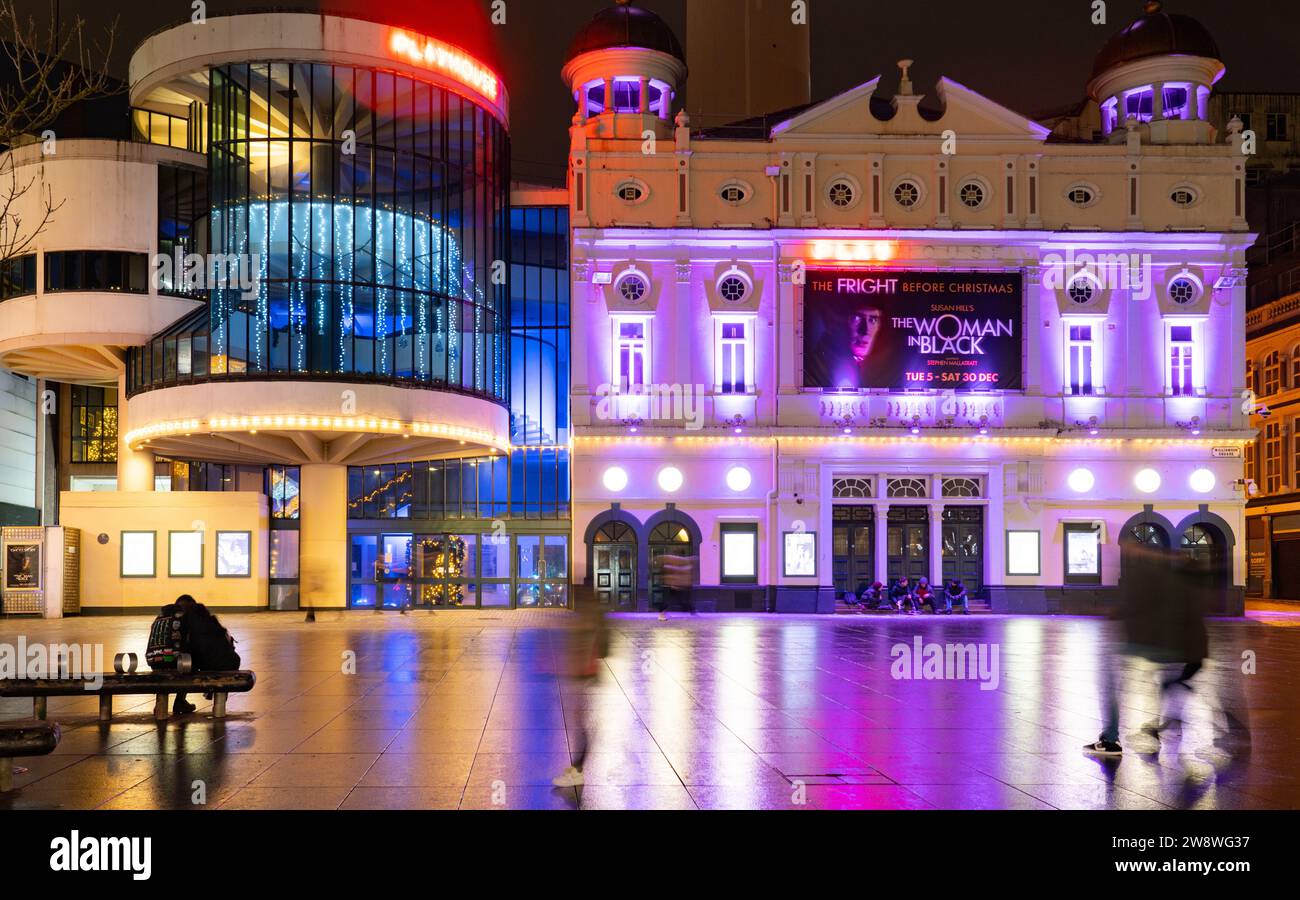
{"x": 965, "y": 112}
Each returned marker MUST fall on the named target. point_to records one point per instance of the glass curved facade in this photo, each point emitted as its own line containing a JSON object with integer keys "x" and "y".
{"x": 357, "y": 219}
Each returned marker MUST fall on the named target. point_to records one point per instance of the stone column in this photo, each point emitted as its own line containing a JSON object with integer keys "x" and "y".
{"x": 936, "y": 544}
{"x": 323, "y": 538}
{"x": 882, "y": 543}
{"x": 135, "y": 468}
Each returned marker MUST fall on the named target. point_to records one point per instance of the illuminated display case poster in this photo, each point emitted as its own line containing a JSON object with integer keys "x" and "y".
{"x": 1082, "y": 553}
{"x": 139, "y": 554}
{"x": 184, "y": 554}
{"x": 1023, "y": 553}
{"x": 234, "y": 554}
{"x": 800, "y": 554}
{"x": 23, "y": 566}
{"x": 897, "y": 330}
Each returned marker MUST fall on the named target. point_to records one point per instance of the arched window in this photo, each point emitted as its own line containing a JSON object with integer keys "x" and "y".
{"x": 1272, "y": 374}
{"x": 1149, "y": 535}
{"x": 615, "y": 533}
{"x": 851, "y": 488}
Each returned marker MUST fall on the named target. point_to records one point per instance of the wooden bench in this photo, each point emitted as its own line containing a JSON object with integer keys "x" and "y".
{"x": 160, "y": 684}
{"x": 24, "y": 739}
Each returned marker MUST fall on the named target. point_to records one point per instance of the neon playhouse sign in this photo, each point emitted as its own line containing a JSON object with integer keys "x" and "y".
{"x": 444, "y": 58}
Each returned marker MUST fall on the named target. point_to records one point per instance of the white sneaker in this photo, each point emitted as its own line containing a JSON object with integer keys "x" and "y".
{"x": 663, "y": 617}
{"x": 570, "y": 777}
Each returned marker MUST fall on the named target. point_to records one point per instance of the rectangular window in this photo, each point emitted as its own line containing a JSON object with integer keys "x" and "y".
{"x": 631, "y": 354}
{"x": 1182, "y": 359}
{"x": 94, "y": 424}
{"x": 739, "y": 552}
{"x": 734, "y": 359}
{"x": 1082, "y": 356}
{"x": 1275, "y": 127}
{"x": 1272, "y": 457}
{"x": 18, "y": 276}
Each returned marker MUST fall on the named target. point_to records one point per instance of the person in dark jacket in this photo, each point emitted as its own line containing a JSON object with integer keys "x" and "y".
{"x": 900, "y": 592}
{"x": 210, "y": 645}
{"x": 168, "y": 639}
{"x": 954, "y": 593}
{"x": 873, "y": 597}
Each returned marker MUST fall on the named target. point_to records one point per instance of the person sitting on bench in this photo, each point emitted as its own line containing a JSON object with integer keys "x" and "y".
{"x": 955, "y": 592}
{"x": 167, "y": 641}
{"x": 187, "y": 626}
{"x": 212, "y": 648}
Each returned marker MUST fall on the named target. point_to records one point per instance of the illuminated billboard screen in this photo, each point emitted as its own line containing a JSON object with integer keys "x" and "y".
{"x": 898, "y": 330}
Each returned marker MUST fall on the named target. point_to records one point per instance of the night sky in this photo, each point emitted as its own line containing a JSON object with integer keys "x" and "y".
{"x": 1029, "y": 56}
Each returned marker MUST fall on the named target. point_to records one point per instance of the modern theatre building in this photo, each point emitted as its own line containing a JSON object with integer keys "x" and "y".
{"x": 284, "y": 305}
{"x": 887, "y": 335}
{"x": 299, "y": 342}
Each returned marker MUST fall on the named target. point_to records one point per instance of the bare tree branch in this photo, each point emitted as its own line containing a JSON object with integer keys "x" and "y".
{"x": 51, "y": 69}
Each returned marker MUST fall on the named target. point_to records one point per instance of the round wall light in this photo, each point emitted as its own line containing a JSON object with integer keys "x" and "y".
{"x": 1147, "y": 481}
{"x": 1202, "y": 481}
{"x": 739, "y": 479}
{"x": 614, "y": 479}
{"x": 1081, "y": 481}
{"x": 670, "y": 479}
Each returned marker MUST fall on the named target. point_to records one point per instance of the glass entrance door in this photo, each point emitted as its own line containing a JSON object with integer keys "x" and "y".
{"x": 853, "y": 549}
{"x": 963, "y": 545}
{"x": 909, "y": 542}
{"x": 393, "y": 571}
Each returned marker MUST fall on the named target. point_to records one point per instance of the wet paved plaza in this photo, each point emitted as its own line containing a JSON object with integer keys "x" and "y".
{"x": 470, "y": 710}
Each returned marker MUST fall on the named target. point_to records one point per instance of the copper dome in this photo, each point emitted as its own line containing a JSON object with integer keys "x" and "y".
{"x": 625, "y": 25}
{"x": 1155, "y": 33}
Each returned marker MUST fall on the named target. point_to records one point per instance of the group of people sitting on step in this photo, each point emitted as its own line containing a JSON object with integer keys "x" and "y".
{"x": 903, "y": 593}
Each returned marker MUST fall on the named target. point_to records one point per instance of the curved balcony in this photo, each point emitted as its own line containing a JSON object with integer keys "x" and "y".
{"x": 297, "y": 422}
{"x": 79, "y": 294}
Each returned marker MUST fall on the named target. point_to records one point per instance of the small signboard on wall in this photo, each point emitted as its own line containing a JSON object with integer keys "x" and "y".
{"x": 1225, "y": 452}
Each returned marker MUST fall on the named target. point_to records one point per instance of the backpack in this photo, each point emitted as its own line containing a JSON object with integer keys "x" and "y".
{"x": 166, "y": 642}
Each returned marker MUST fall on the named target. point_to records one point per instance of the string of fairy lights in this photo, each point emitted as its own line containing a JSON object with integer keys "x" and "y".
{"x": 395, "y": 427}
{"x": 422, "y": 266}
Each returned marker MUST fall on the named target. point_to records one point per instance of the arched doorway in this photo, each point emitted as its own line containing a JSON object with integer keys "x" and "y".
{"x": 1205, "y": 548}
{"x": 1146, "y": 531}
{"x": 669, "y": 532}
{"x": 613, "y": 560}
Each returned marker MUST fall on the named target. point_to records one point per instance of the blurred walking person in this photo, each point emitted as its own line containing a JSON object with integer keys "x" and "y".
{"x": 677, "y": 573}
{"x": 586, "y": 645}
{"x": 1143, "y": 579}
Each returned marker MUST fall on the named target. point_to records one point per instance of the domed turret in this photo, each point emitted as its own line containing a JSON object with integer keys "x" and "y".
{"x": 1156, "y": 74}
{"x": 626, "y": 60}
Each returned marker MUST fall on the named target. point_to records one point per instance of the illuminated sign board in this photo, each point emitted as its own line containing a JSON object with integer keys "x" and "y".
{"x": 897, "y": 330}
{"x": 447, "y": 60}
